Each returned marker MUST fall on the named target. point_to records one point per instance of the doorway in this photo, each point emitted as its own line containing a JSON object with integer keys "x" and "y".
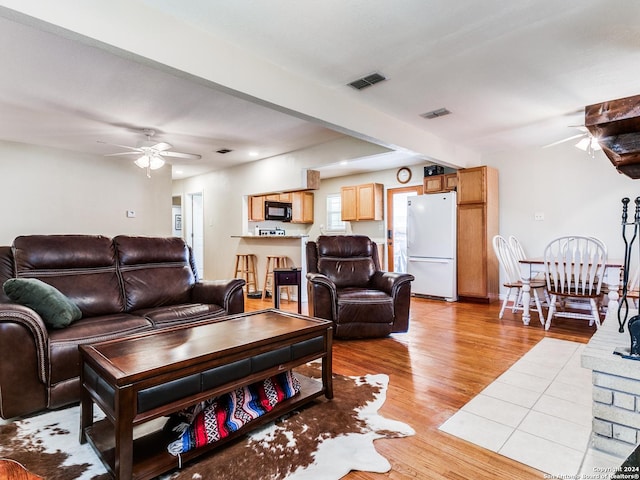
{"x": 194, "y": 228}
{"x": 397, "y": 226}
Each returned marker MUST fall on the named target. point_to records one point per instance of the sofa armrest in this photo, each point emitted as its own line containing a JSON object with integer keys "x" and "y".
{"x": 226, "y": 293}
{"x": 398, "y": 286}
{"x": 390, "y": 282}
{"x": 322, "y": 296}
{"x": 23, "y": 361}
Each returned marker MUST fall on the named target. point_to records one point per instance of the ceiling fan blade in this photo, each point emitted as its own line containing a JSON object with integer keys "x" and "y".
{"x": 191, "y": 156}
{"x": 135, "y": 149}
{"x": 565, "y": 140}
{"x": 121, "y": 154}
{"x": 161, "y": 147}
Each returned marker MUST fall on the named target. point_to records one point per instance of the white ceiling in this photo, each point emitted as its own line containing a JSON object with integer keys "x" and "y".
{"x": 514, "y": 75}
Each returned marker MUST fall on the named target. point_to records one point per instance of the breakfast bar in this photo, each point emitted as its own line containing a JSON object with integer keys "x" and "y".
{"x": 291, "y": 246}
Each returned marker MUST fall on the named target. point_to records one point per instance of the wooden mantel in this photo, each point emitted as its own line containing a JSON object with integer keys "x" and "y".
{"x": 616, "y": 125}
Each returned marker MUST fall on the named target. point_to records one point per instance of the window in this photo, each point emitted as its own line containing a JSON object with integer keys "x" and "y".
{"x": 334, "y": 213}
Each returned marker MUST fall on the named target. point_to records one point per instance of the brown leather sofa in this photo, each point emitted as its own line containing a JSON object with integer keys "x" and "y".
{"x": 346, "y": 285}
{"x": 122, "y": 285}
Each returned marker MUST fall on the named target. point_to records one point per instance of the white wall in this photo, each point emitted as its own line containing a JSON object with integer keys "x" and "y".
{"x": 576, "y": 193}
{"x": 46, "y": 191}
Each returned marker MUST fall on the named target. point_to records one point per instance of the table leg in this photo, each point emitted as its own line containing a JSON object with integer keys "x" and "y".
{"x": 86, "y": 413}
{"x": 612, "y": 279}
{"x": 123, "y": 452}
{"x": 526, "y": 292}
{"x": 327, "y": 367}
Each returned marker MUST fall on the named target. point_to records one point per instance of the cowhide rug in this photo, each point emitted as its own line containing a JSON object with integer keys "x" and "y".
{"x": 325, "y": 439}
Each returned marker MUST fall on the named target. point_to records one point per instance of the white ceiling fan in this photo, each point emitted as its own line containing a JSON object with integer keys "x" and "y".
{"x": 151, "y": 154}
{"x": 587, "y": 143}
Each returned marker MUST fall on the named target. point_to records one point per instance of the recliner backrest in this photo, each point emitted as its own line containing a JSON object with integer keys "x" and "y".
{"x": 156, "y": 271}
{"x": 6, "y": 270}
{"x": 60, "y": 259}
{"x": 348, "y": 260}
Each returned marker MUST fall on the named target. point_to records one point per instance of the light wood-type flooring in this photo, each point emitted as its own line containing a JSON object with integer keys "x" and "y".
{"x": 451, "y": 352}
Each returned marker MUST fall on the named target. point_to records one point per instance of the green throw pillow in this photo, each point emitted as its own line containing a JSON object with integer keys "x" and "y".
{"x": 56, "y": 310}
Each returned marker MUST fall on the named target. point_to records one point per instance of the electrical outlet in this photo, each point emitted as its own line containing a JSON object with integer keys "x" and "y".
{"x": 538, "y": 216}
{"x": 131, "y": 214}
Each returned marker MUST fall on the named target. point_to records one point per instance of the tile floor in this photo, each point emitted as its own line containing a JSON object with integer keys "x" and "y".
{"x": 538, "y": 413}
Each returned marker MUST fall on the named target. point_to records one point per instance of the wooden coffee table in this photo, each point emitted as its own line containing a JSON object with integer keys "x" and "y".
{"x": 138, "y": 380}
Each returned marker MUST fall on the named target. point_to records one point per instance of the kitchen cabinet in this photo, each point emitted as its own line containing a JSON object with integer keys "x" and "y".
{"x": 301, "y": 203}
{"x": 478, "y": 268}
{"x": 440, "y": 183}
{"x": 256, "y": 208}
{"x": 450, "y": 181}
{"x": 302, "y": 207}
{"x": 349, "y": 203}
{"x": 473, "y": 184}
{"x": 362, "y": 202}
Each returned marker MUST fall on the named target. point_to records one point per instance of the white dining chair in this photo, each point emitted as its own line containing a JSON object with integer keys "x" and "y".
{"x": 517, "y": 248}
{"x": 574, "y": 270}
{"x": 520, "y": 254}
{"x": 513, "y": 278}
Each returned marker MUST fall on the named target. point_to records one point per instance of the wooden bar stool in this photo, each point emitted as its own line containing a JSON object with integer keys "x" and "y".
{"x": 274, "y": 261}
{"x": 246, "y": 268}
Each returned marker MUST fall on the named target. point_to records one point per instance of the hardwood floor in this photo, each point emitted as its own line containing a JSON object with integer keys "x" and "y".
{"x": 451, "y": 352}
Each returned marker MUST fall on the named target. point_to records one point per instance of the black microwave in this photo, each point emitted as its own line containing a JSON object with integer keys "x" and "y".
{"x": 277, "y": 211}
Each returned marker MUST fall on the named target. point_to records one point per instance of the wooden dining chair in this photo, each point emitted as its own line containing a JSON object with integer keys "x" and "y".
{"x": 513, "y": 278}
{"x": 574, "y": 271}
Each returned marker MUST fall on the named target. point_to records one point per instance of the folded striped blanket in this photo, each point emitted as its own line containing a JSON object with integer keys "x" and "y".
{"x": 212, "y": 420}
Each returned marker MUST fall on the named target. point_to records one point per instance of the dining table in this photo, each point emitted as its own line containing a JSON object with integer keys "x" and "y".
{"x": 530, "y": 267}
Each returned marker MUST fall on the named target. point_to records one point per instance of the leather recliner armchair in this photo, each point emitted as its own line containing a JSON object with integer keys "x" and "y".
{"x": 346, "y": 285}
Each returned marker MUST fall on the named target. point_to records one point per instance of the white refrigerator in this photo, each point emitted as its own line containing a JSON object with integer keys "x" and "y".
{"x": 431, "y": 245}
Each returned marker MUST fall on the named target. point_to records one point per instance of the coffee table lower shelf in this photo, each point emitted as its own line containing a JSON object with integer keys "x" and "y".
{"x": 150, "y": 455}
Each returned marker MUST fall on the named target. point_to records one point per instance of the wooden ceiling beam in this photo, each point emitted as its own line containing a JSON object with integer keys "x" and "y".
{"x": 616, "y": 125}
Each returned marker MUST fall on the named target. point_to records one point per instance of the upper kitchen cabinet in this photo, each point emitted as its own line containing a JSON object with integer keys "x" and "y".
{"x": 362, "y": 202}
{"x": 473, "y": 184}
{"x": 440, "y": 183}
{"x": 256, "y": 208}
{"x": 302, "y": 207}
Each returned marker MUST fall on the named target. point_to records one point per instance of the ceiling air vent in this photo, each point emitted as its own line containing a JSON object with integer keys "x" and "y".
{"x": 441, "y": 112}
{"x": 367, "y": 81}
{"x": 223, "y": 151}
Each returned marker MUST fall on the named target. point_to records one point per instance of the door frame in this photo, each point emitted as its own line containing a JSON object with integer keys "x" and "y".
{"x": 193, "y": 225}
{"x": 419, "y": 189}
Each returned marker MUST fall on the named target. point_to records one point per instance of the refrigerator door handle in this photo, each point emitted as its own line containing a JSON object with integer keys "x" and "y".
{"x": 430, "y": 260}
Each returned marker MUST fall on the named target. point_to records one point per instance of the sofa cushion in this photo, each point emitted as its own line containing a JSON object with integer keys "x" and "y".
{"x": 64, "y": 357}
{"x": 180, "y": 314}
{"x": 56, "y": 310}
{"x": 155, "y": 271}
{"x": 364, "y": 305}
{"x": 82, "y": 267}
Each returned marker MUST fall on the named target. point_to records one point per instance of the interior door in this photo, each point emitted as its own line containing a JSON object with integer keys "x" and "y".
{"x": 194, "y": 228}
{"x": 397, "y": 226}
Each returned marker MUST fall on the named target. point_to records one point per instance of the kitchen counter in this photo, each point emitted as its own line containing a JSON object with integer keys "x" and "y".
{"x": 253, "y": 237}
{"x": 291, "y": 246}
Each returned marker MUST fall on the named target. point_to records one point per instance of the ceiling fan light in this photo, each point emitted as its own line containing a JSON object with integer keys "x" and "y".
{"x": 142, "y": 162}
{"x": 583, "y": 144}
{"x": 156, "y": 162}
